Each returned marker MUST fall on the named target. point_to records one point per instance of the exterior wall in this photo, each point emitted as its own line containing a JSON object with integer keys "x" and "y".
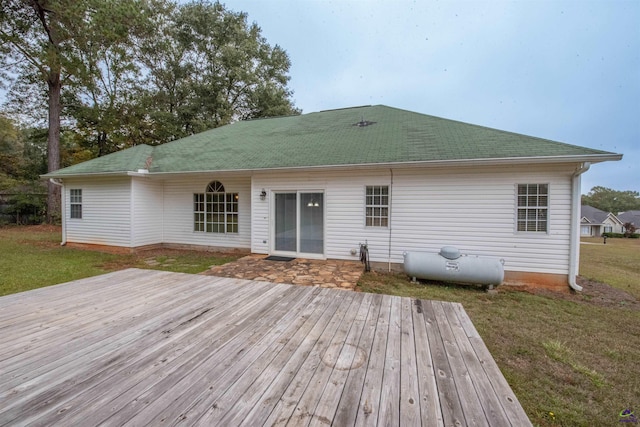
{"x": 146, "y": 209}
{"x": 106, "y": 211}
{"x": 616, "y": 227}
{"x": 178, "y": 211}
{"x": 473, "y": 209}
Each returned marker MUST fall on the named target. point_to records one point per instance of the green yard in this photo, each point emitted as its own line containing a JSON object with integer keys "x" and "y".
{"x": 572, "y": 360}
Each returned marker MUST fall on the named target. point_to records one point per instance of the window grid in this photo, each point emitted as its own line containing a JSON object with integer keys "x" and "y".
{"x": 377, "y": 206}
{"x": 198, "y": 212}
{"x": 533, "y": 207}
{"x": 215, "y": 212}
{"x": 75, "y": 199}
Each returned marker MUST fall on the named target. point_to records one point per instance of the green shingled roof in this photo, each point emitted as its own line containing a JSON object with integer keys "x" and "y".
{"x": 333, "y": 138}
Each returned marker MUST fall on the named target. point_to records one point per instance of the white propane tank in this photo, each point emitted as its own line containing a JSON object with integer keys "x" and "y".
{"x": 449, "y": 265}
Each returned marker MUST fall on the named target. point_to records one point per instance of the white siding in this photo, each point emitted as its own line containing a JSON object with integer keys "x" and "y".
{"x": 178, "y": 211}
{"x": 146, "y": 203}
{"x": 106, "y": 212}
{"x": 471, "y": 208}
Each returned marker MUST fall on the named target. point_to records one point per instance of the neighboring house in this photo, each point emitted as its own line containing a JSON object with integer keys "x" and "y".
{"x": 319, "y": 184}
{"x": 594, "y": 222}
{"x": 632, "y": 217}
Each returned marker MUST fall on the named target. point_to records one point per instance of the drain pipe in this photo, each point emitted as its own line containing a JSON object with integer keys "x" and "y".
{"x": 389, "y": 218}
{"x": 58, "y": 183}
{"x": 574, "y": 247}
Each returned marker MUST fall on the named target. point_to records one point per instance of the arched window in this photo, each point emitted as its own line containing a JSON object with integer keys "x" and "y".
{"x": 215, "y": 211}
{"x": 215, "y": 187}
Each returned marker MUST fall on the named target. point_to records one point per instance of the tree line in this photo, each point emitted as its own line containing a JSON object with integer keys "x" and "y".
{"x": 613, "y": 201}
{"x": 86, "y": 78}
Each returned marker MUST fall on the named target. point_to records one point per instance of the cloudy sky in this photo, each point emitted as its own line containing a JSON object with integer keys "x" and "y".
{"x": 563, "y": 70}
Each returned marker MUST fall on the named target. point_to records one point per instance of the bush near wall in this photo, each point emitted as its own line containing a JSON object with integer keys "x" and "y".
{"x": 621, "y": 235}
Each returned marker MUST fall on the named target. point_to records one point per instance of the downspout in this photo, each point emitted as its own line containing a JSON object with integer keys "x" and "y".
{"x": 63, "y": 205}
{"x": 574, "y": 247}
{"x": 389, "y": 217}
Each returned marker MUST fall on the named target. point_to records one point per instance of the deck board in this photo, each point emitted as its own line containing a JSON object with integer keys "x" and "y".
{"x": 140, "y": 347}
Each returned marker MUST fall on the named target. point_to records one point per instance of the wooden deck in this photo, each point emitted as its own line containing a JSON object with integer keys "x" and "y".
{"x": 140, "y": 347}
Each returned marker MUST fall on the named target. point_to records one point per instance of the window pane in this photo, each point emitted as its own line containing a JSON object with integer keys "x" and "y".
{"x": 377, "y": 206}
{"x": 532, "y": 213}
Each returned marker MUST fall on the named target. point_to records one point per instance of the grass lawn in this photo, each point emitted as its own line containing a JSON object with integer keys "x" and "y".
{"x": 571, "y": 360}
{"x": 617, "y": 263}
{"x": 31, "y": 257}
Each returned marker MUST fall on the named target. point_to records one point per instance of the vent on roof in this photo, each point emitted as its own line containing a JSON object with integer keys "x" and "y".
{"x": 362, "y": 123}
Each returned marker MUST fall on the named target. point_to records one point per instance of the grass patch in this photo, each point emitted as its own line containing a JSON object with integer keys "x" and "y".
{"x": 32, "y": 258}
{"x": 616, "y": 263}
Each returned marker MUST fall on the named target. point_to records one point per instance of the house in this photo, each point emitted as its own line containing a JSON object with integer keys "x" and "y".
{"x": 632, "y": 217}
{"x": 594, "y": 222}
{"x": 318, "y": 185}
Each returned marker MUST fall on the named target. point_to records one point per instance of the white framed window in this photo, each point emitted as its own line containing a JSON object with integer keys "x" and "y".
{"x": 377, "y": 206}
{"x": 608, "y": 229}
{"x": 533, "y": 208}
{"x": 75, "y": 203}
{"x": 215, "y": 211}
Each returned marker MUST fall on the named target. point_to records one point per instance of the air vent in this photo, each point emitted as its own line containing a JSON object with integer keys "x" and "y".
{"x": 363, "y": 123}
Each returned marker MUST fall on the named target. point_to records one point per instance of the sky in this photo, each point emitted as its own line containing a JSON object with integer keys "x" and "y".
{"x": 568, "y": 71}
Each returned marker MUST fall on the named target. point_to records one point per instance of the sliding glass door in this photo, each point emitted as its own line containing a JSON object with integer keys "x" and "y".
{"x": 299, "y": 223}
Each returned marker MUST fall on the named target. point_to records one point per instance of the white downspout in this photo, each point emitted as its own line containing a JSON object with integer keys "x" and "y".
{"x": 63, "y": 206}
{"x": 574, "y": 247}
{"x": 389, "y": 218}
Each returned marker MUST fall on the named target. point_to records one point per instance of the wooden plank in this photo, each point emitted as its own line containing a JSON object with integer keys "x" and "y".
{"x": 90, "y": 369}
{"x": 350, "y": 352}
{"x": 389, "y": 414}
{"x": 26, "y": 314}
{"x": 488, "y": 400}
{"x": 246, "y": 392}
{"x": 217, "y": 342}
{"x": 350, "y": 400}
{"x": 505, "y": 394}
{"x": 320, "y": 337}
{"x": 63, "y": 290}
{"x": 202, "y": 375}
{"x": 471, "y": 406}
{"x": 450, "y": 404}
{"x": 292, "y": 370}
{"x": 156, "y": 348}
{"x": 56, "y": 328}
{"x": 369, "y": 405}
{"x": 98, "y": 340}
{"x": 409, "y": 393}
{"x": 430, "y": 411}
{"x": 305, "y": 408}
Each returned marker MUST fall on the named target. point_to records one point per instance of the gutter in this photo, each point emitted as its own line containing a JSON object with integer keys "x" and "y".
{"x": 587, "y": 158}
{"x": 574, "y": 247}
{"x": 58, "y": 183}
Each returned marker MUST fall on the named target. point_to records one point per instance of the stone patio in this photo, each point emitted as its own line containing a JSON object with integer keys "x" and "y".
{"x": 307, "y": 272}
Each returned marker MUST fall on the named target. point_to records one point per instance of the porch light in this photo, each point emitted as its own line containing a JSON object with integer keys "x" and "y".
{"x": 313, "y": 204}
{"x": 263, "y": 195}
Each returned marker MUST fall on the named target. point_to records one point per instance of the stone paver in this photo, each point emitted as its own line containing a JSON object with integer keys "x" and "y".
{"x": 336, "y": 274}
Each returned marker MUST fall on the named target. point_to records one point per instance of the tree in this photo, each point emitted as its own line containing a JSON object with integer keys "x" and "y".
{"x": 116, "y": 73}
{"x": 41, "y": 43}
{"x": 10, "y": 148}
{"x": 629, "y": 229}
{"x": 610, "y": 200}
{"x": 208, "y": 67}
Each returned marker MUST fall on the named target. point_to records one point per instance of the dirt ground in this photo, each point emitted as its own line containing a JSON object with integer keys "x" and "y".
{"x": 595, "y": 293}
